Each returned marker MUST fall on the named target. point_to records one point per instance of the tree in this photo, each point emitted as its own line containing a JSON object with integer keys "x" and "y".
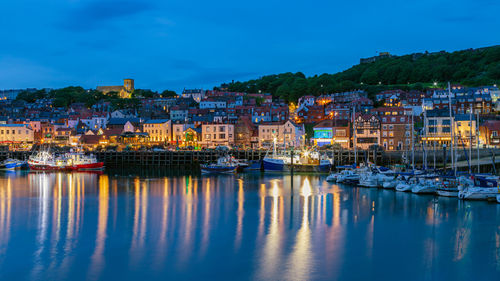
{"x": 168, "y": 94}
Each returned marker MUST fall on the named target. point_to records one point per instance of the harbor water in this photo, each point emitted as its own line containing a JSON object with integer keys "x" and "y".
{"x": 161, "y": 226}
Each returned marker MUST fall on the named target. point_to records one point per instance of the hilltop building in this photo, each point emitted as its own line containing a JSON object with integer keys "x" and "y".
{"x": 124, "y": 91}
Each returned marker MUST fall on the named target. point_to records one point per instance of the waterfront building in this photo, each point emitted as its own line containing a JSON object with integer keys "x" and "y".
{"x": 332, "y": 132}
{"x": 214, "y": 135}
{"x": 396, "y": 132}
{"x": 438, "y": 126}
{"x": 16, "y": 133}
{"x": 465, "y": 130}
{"x": 246, "y": 133}
{"x": 288, "y": 134}
{"x": 489, "y": 133}
{"x": 124, "y": 91}
{"x": 179, "y": 133}
{"x": 159, "y": 130}
{"x": 367, "y": 130}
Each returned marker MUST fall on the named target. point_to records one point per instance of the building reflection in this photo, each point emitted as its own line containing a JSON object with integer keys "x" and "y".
{"x": 5, "y": 214}
{"x": 141, "y": 189}
{"x": 97, "y": 259}
{"x": 179, "y": 223}
{"x": 300, "y": 260}
{"x": 269, "y": 259}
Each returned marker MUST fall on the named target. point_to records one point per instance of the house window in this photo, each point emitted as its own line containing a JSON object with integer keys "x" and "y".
{"x": 494, "y": 134}
{"x": 222, "y": 136}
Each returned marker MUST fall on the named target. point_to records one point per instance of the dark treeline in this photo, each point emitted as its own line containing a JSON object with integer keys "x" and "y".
{"x": 65, "y": 96}
{"x": 416, "y": 71}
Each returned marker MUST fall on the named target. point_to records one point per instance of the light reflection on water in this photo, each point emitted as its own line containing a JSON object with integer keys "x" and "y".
{"x": 88, "y": 226}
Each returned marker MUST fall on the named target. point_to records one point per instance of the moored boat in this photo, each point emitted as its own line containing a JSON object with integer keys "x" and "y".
{"x": 224, "y": 165}
{"x": 46, "y": 161}
{"x": 448, "y": 187}
{"x": 9, "y": 164}
{"x": 81, "y": 162}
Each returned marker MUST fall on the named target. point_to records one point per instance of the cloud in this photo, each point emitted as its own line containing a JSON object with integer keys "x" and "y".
{"x": 90, "y": 15}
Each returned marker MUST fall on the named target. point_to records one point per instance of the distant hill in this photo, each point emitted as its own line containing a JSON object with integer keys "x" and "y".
{"x": 472, "y": 67}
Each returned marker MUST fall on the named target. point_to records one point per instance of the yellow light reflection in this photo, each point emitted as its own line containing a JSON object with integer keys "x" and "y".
{"x": 240, "y": 214}
{"x": 299, "y": 262}
{"x": 97, "y": 259}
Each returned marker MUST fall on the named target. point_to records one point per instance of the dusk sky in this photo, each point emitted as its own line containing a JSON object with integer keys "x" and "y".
{"x": 186, "y": 43}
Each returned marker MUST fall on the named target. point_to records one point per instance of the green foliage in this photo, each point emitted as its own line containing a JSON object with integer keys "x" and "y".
{"x": 31, "y": 96}
{"x": 409, "y": 72}
{"x": 65, "y": 96}
{"x": 140, "y": 93}
{"x": 168, "y": 94}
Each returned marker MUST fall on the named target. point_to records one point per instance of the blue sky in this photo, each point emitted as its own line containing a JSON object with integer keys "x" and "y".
{"x": 176, "y": 44}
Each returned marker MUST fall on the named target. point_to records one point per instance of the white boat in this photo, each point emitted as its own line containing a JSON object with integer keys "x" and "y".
{"x": 368, "y": 179}
{"x": 448, "y": 187}
{"x": 348, "y": 177}
{"x": 405, "y": 185}
{"x": 332, "y": 177}
{"x": 424, "y": 186}
{"x": 478, "y": 193}
{"x": 390, "y": 184}
{"x": 469, "y": 189}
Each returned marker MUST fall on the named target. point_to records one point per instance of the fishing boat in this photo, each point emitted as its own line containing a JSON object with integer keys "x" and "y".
{"x": 80, "y": 162}
{"x": 46, "y": 161}
{"x": 8, "y": 164}
{"x": 224, "y": 165}
{"x": 299, "y": 161}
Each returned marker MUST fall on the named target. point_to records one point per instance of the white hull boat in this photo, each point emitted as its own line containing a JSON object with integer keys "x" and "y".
{"x": 478, "y": 193}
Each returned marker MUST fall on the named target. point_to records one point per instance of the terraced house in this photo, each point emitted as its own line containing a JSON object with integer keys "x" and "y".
{"x": 159, "y": 130}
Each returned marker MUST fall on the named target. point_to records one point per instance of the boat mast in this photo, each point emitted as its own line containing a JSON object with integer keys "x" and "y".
{"x": 354, "y": 138}
{"x": 452, "y": 132}
{"x": 425, "y": 138}
{"x": 470, "y": 140}
{"x": 477, "y": 139}
{"x": 412, "y": 144}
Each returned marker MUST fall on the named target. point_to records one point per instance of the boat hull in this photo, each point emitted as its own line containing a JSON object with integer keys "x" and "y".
{"x": 278, "y": 165}
{"x": 8, "y": 166}
{"x": 89, "y": 167}
{"x": 36, "y": 167}
{"x": 447, "y": 193}
{"x": 211, "y": 169}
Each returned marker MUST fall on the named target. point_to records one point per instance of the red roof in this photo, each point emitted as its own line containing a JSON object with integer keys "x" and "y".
{"x": 492, "y": 125}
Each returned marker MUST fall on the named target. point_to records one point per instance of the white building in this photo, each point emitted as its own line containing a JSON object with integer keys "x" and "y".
{"x": 16, "y": 133}
{"x": 217, "y": 134}
{"x": 211, "y": 103}
{"x": 159, "y": 130}
{"x": 178, "y": 131}
{"x": 287, "y": 134}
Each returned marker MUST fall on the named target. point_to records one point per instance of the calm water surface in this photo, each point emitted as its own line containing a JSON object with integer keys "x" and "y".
{"x": 84, "y": 226}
